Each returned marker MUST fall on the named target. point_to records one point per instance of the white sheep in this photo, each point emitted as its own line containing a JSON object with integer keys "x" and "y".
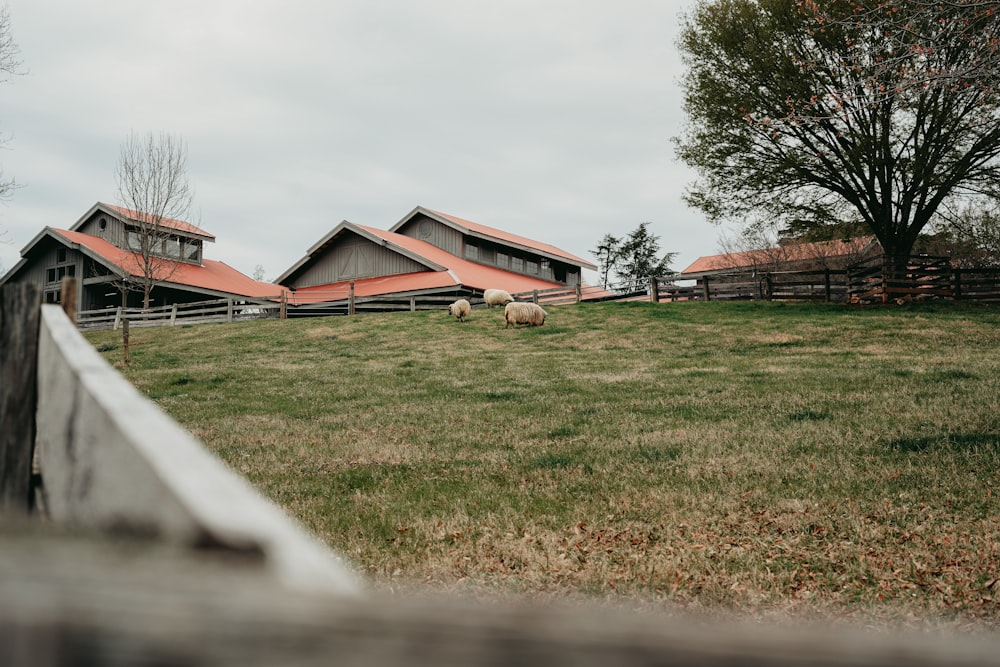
{"x": 496, "y": 297}
{"x": 522, "y": 312}
{"x": 460, "y": 309}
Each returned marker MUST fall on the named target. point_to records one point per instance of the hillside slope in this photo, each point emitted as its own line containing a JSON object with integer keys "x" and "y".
{"x": 757, "y": 458}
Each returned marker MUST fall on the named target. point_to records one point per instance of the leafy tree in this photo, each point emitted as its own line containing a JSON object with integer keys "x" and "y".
{"x": 153, "y": 184}
{"x": 809, "y": 231}
{"x": 633, "y": 260}
{"x": 873, "y": 112}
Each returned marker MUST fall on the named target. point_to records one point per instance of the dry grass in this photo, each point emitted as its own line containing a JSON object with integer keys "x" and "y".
{"x": 758, "y": 459}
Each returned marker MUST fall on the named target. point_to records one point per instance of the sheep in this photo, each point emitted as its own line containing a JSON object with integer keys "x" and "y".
{"x": 496, "y": 297}
{"x": 460, "y": 309}
{"x": 522, "y": 312}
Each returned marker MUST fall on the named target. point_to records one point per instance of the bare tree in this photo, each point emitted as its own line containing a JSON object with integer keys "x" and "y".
{"x": 755, "y": 248}
{"x": 153, "y": 186}
{"x": 10, "y": 65}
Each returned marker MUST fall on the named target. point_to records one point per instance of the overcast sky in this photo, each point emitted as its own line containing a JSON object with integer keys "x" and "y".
{"x": 551, "y": 119}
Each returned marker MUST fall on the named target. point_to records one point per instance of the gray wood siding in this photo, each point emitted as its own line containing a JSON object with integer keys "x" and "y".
{"x": 34, "y": 270}
{"x": 492, "y": 252}
{"x": 355, "y": 257}
{"x": 113, "y": 232}
{"x": 440, "y": 236}
{"x": 46, "y": 257}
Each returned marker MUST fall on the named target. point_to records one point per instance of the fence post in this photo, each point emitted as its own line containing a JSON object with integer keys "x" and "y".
{"x": 957, "y": 293}
{"x": 828, "y": 296}
{"x": 654, "y": 289}
{"x": 413, "y": 304}
{"x": 20, "y": 313}
{"x": 125, "y": 339}
{"x": 704, "y": 285}
{"x": 534, "y": 296}
{"x": 283, "y": 308}
{"x": 886, "y": 280}
{"x": 68, "y": 298}
{"x": 229, "y": 309}
{"x": 579, "y": 292}
{"x": 173, "y": 315}
{"x": 350, "y": 299}
{"x": 118, "y": 318}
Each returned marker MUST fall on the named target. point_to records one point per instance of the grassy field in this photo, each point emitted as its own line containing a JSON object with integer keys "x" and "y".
{"x": 766, "y": 460}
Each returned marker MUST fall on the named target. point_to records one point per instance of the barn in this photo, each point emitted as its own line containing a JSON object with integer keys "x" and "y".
{"x": 425, "y": 259}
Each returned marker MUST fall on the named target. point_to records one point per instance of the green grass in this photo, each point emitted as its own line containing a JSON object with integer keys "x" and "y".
{"x": 759, "y": 459}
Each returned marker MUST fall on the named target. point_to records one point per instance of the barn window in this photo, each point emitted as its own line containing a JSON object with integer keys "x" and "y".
{"x": 546, "y": 271}
{"x": 173, "y": 246}
{"x": 192, "y": 250}
{"x": 132, "y": 240}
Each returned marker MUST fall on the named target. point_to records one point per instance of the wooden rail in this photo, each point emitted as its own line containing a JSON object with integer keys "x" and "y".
{"x": 873, "y": 281}
{"x": 199, "y": 312}
{"x": 154, "y": 553}
{"x": 868, "y": 282}
{"x": 109, "y": 460}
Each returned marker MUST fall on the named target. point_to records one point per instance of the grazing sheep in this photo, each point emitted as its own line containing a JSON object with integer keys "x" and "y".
{"x": 522, "y": 312}
{"x": 460, "y": 309}
{"x": 496, "y": 297}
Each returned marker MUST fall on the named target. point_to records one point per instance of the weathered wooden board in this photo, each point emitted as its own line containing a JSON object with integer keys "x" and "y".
{"x": 113, "y": 461}
{"x": 19, "y": 314}
{"x": 66, "y": 599}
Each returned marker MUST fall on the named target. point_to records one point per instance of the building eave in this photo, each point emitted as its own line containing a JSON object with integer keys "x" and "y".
{"x": 453, "y": 223}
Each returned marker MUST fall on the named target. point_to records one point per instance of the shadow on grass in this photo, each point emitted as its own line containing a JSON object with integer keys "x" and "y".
{"x": 986, "y": 441}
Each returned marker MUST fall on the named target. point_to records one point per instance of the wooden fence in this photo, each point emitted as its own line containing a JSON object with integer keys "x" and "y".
{"x": 152, "y": 552}
{"x": 878, "y": 280}
{"x": 874, "y": 281}
{"x": 199, "y": 312}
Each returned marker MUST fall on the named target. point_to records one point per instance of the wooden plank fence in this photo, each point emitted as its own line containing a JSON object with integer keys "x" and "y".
{"x": 198, "y": 312}
{"x": 874, "y": 281}
{"x": 153, "y": 552}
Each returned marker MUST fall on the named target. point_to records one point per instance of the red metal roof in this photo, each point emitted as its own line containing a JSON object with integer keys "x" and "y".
{"x": 507, "y": 237}
{"x": 210, "y": 275}
{"x": 460, "y": 272}
{"x": 470, "y": 274}
{"x": 179, "y": 225}
{"x": 796, "y": 252}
